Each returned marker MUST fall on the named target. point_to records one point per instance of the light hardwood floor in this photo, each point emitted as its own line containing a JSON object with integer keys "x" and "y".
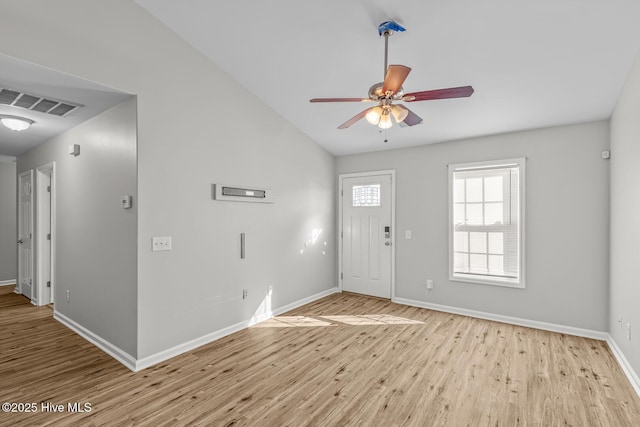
{"x": 343, "y": 360}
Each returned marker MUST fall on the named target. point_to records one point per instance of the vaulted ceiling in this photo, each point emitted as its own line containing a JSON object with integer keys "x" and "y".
{"x": 532, "y": 64}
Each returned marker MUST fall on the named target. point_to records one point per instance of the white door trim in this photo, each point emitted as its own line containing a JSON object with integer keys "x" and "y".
{"x": 341, "y": 177}
{"x": 40, "y": 233}
{"x": 28, "y": 173}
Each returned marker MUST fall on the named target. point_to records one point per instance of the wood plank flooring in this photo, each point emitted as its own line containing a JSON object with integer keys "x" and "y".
{"x": 344, "y": 360}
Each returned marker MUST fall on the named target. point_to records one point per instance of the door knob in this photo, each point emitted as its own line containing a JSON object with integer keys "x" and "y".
{"x": 387, "y": 243}
{"x": 20, "y": 241}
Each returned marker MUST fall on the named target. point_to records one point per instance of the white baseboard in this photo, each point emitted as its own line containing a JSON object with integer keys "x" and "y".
{"x": 303, "y": 301}
{"x": 569, "y": 330}
{"x": 7, "y": 282}
{"x": 624, "y": 364}
{"x": 120, "y": 355}
{"x": 177, "y": 350}
{"x": 161, "y": 356}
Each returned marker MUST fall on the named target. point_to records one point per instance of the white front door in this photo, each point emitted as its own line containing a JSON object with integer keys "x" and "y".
{"x": 366, "y": 235}
{"x": 25, "y": 233}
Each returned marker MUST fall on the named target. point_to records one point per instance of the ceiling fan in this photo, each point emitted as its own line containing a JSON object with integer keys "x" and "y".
{"x": 385, "y": 93}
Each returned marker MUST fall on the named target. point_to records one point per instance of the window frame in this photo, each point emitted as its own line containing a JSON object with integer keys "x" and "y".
{"x": 518, "y": 283}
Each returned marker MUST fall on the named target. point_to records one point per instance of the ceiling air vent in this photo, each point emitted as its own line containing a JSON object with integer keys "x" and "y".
{"x": 36, "y": 103}
{"x": 44, "y": 105}
{"x": 26, "y": 101}
{"x": 8, "y": 96}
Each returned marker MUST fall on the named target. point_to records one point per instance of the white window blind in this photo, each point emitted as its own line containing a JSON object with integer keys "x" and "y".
{"x": 486, "y": 222}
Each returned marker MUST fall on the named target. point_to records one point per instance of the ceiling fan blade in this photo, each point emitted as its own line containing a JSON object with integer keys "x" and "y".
{"x": 354, "y": 118}
{"x": 396, "y": 75}
{"x": 341, "y": 100}
{"x": 452, "y": 92}
{"x": 411, "y": 118}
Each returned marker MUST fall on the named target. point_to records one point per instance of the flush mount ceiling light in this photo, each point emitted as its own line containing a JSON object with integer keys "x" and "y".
{"x": 15, "y": 123}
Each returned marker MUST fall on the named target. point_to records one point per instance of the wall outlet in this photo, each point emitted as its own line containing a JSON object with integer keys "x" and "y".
{"x": 162, "y": 243}
{"x": 245, "y": 294}
{"x": 407, "y": 234}
{"x": 429, "y": 284}
{"x": 619, "y": 321}
{"x": 628, "y": 331}
{"x": 68, "y": 295}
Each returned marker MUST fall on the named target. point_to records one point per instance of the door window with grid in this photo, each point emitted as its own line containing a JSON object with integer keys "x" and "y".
{"x": 487, "y": 222}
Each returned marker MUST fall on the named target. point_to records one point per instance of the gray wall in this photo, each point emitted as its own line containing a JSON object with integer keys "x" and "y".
{"x": 566, "y": 223}
{"x": 8, "y": 222}
{"x": 625, "y": 211}
{"x": 95, "y": 238}
{"x": 196, "y": 126}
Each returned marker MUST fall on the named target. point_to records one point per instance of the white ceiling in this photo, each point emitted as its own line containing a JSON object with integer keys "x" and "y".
{"x": 33, "y": 79}
{"x": 532, "y": 64}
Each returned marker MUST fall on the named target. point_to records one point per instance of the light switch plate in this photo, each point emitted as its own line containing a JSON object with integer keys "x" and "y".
{"x": 162, "y": 243}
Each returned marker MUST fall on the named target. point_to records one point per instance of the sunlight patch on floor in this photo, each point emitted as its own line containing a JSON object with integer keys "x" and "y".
{"x": 372, "y": 319}
{"x": 291, "y": 322}
{"x": 354, "y": 320}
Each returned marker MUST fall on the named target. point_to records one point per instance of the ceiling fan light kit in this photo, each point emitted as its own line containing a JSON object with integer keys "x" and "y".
{"x": 373, "y": 116}
{"x": 399, "y": 113}
{"x": 390, "y": 90}
{"x": 385, "y": 120}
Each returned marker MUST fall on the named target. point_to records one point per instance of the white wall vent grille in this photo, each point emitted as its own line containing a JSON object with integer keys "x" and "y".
{"x": 51, "y": 106}
{"x": 237, "y": 193}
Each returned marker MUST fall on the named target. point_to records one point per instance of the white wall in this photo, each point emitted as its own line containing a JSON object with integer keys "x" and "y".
{"x": 196, "y": 126}
{"x": 95, "y": 238}
{"x": 625, "y": 211}
{"x": 566, "y": 223}
{"x": 8, "y": 222}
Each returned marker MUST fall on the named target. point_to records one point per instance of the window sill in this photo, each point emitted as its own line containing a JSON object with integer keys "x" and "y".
{"x": 483, "y": 280}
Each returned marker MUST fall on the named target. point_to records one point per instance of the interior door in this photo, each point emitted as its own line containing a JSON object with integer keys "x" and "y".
{"x": 366, "y": 235}
{"x": 25, "y": 233}
{"x": 44, "y": 236}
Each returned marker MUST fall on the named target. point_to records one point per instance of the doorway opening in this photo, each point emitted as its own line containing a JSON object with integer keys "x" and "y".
{"x": 25, "y": 234}
{"x": 36, "y": 224}
{"x": 45, "y": 235}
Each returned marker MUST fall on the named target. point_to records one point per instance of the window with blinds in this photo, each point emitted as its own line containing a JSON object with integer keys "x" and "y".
{"x": 487, "y": 222}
